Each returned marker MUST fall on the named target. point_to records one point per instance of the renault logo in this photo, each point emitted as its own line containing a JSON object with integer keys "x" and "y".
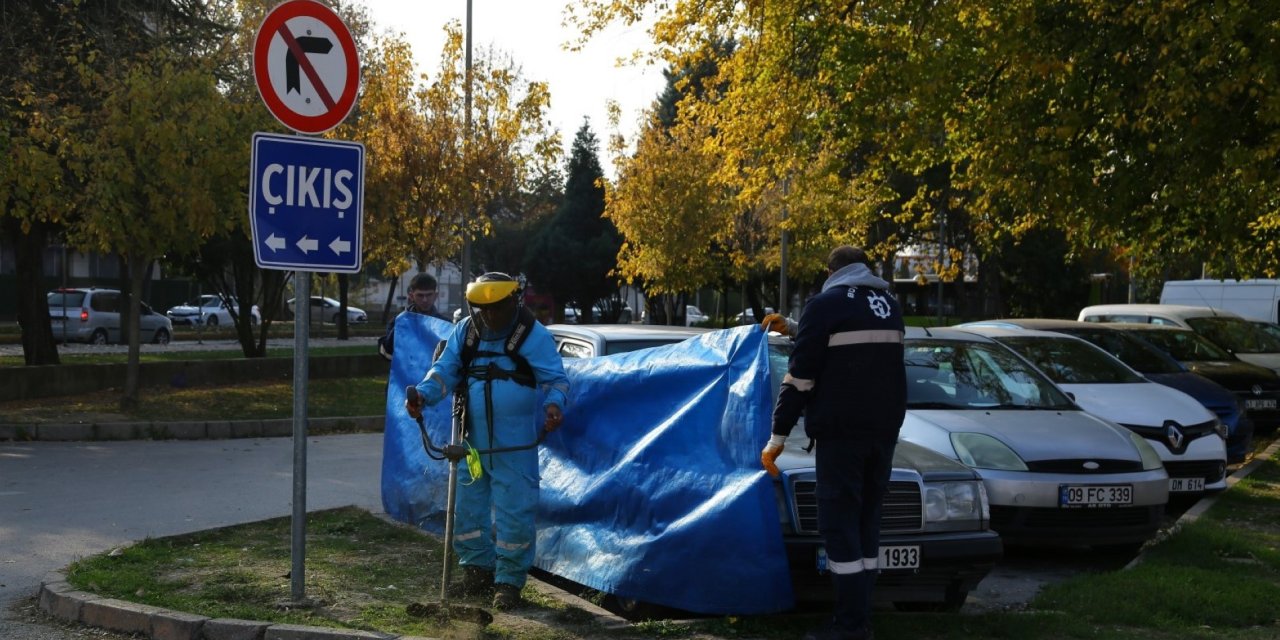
{"x": 1257, "y": 389}
{"x": 1173, "y": 434}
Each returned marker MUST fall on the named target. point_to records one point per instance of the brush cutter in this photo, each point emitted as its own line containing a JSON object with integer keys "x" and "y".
{"x": 453, "y": 452}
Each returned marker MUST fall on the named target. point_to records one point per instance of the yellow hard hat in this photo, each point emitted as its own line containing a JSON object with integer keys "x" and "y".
{"x": 490, "y": 288}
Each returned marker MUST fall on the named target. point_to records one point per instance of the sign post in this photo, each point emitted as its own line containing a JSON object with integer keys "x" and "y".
{"x": 307, "y": 196}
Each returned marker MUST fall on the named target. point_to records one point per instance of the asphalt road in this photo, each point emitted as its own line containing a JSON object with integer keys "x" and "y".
{"x": 62, "y": 501}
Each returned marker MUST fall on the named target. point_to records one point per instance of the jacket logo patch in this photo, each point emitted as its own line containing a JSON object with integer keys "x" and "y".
{"x": 879, "y": 305}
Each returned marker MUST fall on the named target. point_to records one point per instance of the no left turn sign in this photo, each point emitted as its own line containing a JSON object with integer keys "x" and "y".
{"x": 305, "y": 66}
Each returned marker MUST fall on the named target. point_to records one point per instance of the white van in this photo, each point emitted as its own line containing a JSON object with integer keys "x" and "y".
{"x": 1252, "y": 299}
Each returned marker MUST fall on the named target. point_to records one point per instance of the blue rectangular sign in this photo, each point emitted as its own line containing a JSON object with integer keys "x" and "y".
{"x": 306, "y": 203}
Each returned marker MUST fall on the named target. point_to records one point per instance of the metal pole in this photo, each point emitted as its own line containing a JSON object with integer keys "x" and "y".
{"x": 298, "y": 530}
{"x": 466, "y": 155}
{"x": 783, "y": 298}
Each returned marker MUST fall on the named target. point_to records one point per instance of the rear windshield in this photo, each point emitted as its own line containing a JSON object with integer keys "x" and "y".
{"x": 1187, "y": 346}
{"x": 1071, "y": 361}
{"x": 1139, "y": 355}
{"x": 1236, "y": 334}
{"x": 66, "y": 298}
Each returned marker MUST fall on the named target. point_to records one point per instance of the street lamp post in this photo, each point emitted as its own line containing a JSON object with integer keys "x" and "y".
{"x": 466, "y": 156}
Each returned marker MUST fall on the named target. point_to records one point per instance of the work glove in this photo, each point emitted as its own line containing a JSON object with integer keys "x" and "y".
{"x": 769, "y": 456}
{"x": 776, "y": 322}
{"x": 413, "y": 402}
{"x": 554, "y": 418}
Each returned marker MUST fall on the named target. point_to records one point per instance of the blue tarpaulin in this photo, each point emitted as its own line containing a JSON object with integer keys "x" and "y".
{"x": 652, "y": 489}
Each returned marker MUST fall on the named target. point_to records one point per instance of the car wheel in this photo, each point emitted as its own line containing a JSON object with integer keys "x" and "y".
{"x": 335, "y": 317}
{"x": 162, "y": 336}
{"x": 212, "y": 321}
{"x": 633, "y": 609}
{"x": 99, "y": 337}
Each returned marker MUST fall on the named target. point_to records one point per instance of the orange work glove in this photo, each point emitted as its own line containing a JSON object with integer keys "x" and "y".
{"x": 776, "y": 322}
{"x": 769, "y": 456}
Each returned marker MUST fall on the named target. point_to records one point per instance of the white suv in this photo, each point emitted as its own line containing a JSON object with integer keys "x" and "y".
{"x": 93, "y": 315}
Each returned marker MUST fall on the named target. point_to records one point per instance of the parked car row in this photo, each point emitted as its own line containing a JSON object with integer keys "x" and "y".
{"x": 1025, "y": 431}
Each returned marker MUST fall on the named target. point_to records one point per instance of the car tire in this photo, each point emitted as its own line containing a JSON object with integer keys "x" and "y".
{"x": 212, "y": 321}
{"x": 335, "y": 317}
{"x": 162, "y": 336}
{"x": 99, "y": 336}
{"x": 637, "y": 610}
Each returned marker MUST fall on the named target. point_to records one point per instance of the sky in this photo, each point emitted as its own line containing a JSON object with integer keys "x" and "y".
{"x": 581, "y": 82}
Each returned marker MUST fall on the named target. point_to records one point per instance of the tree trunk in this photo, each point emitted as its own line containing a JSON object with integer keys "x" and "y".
{"x": 38, "y": 346}
{"x": 137, "y": 274}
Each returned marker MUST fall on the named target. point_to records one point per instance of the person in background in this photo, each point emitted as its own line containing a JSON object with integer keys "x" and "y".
{"x": 847, "y": 377}
{"x": 498, "y": 361}
{"x": 422, "y": 299}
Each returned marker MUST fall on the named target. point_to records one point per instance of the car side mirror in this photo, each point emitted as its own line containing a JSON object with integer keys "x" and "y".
{"x": 1070, "y": 395}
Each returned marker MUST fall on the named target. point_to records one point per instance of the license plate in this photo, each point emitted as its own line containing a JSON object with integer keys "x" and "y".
{"x": 1186, "y": 484}
{"x": 1261, "y": 403}
{"x": 1095, "y": 495}
{"x": 896, "y": 557}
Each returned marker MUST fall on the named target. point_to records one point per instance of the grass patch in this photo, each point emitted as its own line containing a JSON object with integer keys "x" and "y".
{"x": 256, "y": 400}
{"x": 1216, "y": 578}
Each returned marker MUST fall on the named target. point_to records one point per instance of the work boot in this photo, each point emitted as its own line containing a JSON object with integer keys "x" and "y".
{"x": 506, "y": 596}
{"x": 476, "y": 581}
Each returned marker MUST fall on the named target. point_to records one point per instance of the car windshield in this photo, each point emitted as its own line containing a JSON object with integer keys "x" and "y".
{"x": 953, "y": 374}
{"x": 1236, "y": 334}
{"x": 1187, "y": 346}
{"x": 1139, "y": 355}
{"x": 623, "y": 346}
{"x": 1071, "y": 361}
{"x": 65, "y": 298}
{"x": 779, "y": 360}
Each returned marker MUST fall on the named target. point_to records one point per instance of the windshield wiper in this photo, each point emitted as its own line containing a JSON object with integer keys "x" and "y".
{"x": 934, "y": 405}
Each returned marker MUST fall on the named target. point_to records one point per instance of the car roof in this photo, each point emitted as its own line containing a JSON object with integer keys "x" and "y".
{"x": 626, "y": 331}
{"x": 1171, "y": 310}
{"x": 944, "y": 333}
{"x": 1004, "y": 332}
{"x": 1040, "y": 324}
{"x": 1141, "y": 326}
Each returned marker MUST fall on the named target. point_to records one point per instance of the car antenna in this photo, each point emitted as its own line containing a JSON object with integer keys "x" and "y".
{"x": 926, "y": 332}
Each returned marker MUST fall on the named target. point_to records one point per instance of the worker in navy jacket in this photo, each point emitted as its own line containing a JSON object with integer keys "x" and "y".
{"x": 846, "y": 376}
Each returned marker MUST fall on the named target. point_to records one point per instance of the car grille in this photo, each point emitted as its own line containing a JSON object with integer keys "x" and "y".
{"x": 1210, "y": 470}
{"x": 1078, "y": 466}
{"x": 903, "y": 511}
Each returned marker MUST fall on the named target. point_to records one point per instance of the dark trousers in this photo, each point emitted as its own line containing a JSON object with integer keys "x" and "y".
{"x": 853, "y": 476}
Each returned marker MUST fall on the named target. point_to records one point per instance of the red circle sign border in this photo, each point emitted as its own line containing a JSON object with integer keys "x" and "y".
{"x": 346, "y": 101}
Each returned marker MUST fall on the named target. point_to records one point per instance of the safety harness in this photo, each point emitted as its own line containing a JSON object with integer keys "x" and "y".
{"x": 522, "y": 375}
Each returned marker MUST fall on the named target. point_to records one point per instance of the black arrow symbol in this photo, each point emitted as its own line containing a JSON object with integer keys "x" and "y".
{"x": 309, "y": 44}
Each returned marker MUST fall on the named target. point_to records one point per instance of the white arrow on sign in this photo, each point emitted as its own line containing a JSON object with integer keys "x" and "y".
{"x": 276, "y": 243}
{"x": 307, "y": 245}
{"x": 340, "y": 246}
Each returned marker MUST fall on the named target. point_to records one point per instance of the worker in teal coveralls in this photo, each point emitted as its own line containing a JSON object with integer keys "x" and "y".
{"x": 508, "y": 360}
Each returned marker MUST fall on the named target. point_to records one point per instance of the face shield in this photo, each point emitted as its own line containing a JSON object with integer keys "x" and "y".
{"x": 492, "y": 300}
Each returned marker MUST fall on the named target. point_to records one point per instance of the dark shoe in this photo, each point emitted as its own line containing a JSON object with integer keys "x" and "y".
{"x": 476, "y": 581}
{"x": 506, "y": 596}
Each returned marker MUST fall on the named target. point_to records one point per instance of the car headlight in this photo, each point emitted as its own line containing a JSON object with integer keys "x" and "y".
{"x": 1150, "y": 459}
{"x": 955, "y": 501}
{"x": 1220, "y": 428}
{"x": 981, "y": 451}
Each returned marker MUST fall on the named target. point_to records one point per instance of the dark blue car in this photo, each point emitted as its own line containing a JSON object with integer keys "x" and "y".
{"x": 1157, "y": 366}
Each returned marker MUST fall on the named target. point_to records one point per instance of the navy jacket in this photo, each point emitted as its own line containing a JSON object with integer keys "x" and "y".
{"x": 846, "y": 374}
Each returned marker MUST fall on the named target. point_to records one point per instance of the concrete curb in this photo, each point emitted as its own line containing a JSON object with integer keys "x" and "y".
{"x": 189, "y": 430}
{"x": 60, "y": 600}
